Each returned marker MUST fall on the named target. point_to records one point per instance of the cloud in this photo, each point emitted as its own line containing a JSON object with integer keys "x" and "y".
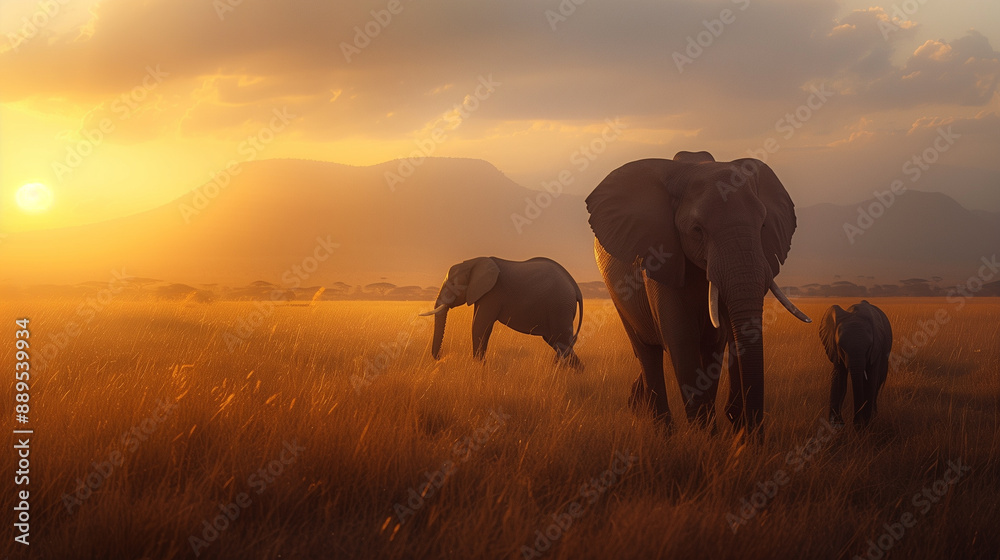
{"x": 965, "y": 71}
{"x": 604, "y": 60}
{"x": 870, "y": 156}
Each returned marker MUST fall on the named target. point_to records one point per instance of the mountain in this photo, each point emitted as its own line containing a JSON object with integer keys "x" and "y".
{"x": 266, "y": 223}
{"x": 914, "y": 234}
{"x": 274, "y": 220}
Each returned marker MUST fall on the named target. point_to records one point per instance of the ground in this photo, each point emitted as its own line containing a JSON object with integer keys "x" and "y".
{"x": 327, "y": 431}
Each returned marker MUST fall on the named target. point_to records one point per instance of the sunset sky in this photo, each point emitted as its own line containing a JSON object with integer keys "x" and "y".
{"x": 119, "y": 106}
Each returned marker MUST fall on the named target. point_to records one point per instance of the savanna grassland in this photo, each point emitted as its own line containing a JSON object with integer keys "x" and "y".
{"x": 168, "y": 410}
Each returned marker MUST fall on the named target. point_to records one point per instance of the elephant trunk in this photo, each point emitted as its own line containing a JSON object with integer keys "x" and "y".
{"x": 445, "y": 300}
{"x": 748, "y": 335}
{"x": 742, "y": 284}
{"x": 439, "y": 320}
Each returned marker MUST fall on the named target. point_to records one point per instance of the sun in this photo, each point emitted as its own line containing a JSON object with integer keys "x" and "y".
{"x": 34, "y": 198}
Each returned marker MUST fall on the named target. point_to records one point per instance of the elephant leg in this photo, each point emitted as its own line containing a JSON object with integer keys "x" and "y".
{"x": 574, "y": 361}
{"x": 881, "y": 369}
{"x": 653, "y": 396}
{"x": 482, "y": 327}
{"x": 838, "y": 388}
{"x": 638, "y": 396}
{"x": 862, "y": 406}
{"x": 681, "y": 332}
{"x": 875, "y": 379}
{"x": 649, "y": 390}
{"x": 562, "y": 344}
{"x": 700, "y": 404}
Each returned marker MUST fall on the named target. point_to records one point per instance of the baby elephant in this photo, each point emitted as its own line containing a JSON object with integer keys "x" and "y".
{"x": 857, "y": 341}
{"x": 537, "y": 296}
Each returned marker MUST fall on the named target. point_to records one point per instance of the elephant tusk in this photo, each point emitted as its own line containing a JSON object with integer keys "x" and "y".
{"x": 788, "y": 304}
{"x": 435, "y": 311}
{"x": 713, "y": 304}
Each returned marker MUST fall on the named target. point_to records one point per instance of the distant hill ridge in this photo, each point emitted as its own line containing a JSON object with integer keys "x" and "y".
{"x": 277, "y": 218}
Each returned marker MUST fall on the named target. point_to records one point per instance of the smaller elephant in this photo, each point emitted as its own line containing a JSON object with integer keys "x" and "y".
{"x": 857, "y": 341}
{"x": 537, "y": 296}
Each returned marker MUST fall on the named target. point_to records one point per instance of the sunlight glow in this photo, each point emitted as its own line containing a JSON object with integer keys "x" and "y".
{"x": 34, "y": 198}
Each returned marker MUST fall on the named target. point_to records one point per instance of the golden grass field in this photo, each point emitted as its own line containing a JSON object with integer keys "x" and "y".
{"x": 361, "y": 447}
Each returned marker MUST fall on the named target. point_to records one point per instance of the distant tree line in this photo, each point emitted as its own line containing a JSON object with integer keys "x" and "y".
{"x": 261, "y": 290}
{"x": 911, "y": 287}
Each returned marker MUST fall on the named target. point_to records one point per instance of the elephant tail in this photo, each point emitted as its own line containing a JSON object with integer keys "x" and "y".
{"x": 579, "y": 304}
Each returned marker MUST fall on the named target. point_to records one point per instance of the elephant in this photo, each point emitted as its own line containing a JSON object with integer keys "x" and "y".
{"x": 688, "y": 248}
{"x": 537, "y": 296}
{"x": 857, "y": 341}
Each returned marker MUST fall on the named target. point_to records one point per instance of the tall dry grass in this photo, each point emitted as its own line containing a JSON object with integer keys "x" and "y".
{"x": 366, "y": 445}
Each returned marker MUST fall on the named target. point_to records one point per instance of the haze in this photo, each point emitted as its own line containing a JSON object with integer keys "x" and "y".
{"x": 200, "y": 78}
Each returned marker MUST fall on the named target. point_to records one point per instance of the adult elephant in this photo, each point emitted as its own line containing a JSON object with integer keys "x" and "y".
{"x": 688, "y": 248}
{"x": 537, "y": 296}
{"x": 857, "y": 341}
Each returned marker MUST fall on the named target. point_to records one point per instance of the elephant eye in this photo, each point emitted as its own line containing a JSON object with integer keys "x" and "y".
{"x": 697, "y": 229}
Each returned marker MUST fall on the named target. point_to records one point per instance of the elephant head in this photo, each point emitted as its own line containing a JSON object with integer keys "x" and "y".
{"x": 848, "y": 337}
{"x": 466, "y": 282}
{"x": 732, "y": 220}
{"x": 693, "y": 157}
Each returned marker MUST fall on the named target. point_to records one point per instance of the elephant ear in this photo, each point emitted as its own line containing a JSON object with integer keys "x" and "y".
{"x": 828, "y": 330}
{"x": 779, "y": 224}
{"x": 482, "y": 279}
{"x": 632, "y": 215}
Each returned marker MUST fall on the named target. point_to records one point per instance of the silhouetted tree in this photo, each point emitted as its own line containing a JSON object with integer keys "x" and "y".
{"x": 843, "y": 288}
{"x": 379, "y": 288}
{"x": 916, "y": 287}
